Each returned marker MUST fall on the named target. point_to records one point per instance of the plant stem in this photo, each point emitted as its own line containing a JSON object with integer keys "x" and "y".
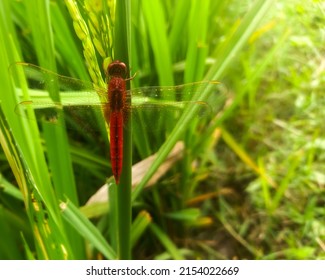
{"x": 121, "y": 50}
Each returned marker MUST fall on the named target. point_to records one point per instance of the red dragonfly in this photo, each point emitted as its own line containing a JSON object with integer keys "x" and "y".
{"x": 115, "y": 102}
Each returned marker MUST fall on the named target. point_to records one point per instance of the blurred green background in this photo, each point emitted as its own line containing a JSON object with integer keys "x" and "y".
{"x": 249, "y": 182}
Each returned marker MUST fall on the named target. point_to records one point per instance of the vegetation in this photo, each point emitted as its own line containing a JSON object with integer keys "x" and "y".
{"x": 244, "y": 183}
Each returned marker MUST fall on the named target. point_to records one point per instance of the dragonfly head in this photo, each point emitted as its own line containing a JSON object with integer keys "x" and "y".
{"x": 117, "y": 68}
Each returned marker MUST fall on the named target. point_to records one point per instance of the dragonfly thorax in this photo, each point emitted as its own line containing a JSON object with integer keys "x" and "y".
{"x": 116, "y": 100}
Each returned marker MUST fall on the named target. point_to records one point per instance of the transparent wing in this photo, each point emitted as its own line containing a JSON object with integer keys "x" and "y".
{"x": 149, "y": 105}
{"x": 73, "y": 90}
{"x": 156, "y": 108}
{"x": 208, "y": 95}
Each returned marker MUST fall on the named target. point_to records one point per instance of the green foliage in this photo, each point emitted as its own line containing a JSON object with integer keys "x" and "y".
{"x": 248, "y": 183}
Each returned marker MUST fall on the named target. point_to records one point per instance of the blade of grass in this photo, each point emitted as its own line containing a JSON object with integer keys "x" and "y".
{"x": 227, "y": 51}
{"x": 28, "y": 252}
{"x": 194, "y": 69}
{"x": 230, "y": 49}
{"x": 121, "y": 51}
{"x": 10, "y": 189}
{"x": 255, "y": 251}
{"x": 29, "y": 166}
{"x": 155, "y": 19}
{"x": 46, "y": 231}
{"x": 139, "y": 225}
{"x": 197, "y": 47}
{"x": 112, "y": 206}
{"x": 290, "y": 175}
{"x": 8, "y": 250}
{"x": 55, "y": 136}
{"x": 84, "y": 227}
{"x": 241, "y": 153}
{"x": 265, "y": 188}
{"x": 177, "y": 29}
{"x": 166, "y": 242}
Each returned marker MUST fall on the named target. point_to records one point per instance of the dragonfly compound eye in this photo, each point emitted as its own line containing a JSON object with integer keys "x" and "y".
{"x": 117, "y": 68}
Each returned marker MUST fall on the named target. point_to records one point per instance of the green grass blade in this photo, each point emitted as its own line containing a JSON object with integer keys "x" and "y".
{"x": 122, "y": 50}
{"x": 166, "y": 242}
{"x": 8, "y": 249}
{"x": 139, "y": 226}
{"x": 7, "y": 188}
{"x": 155, "y": 18}
{"x": 228, "y": 51}
{"x": 197, "y": 45}
{"x": 178, "y": 29}
{"x": 245, "y": 29}
{"x": 50, "y": 241}
{"x": 28, "y": 252}
{"x": 55, "y": 136}
{"x": 86, "y": 229}
{"x": 24, "y": 153}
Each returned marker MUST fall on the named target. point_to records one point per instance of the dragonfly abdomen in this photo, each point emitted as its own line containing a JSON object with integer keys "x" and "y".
{"x": 116, "y": 145}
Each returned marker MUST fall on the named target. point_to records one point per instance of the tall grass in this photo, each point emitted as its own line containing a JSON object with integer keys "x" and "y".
{"x": 227, "y": 185}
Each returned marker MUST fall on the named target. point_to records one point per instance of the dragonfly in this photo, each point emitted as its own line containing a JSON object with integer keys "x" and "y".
{"x": 116, "y": 103}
